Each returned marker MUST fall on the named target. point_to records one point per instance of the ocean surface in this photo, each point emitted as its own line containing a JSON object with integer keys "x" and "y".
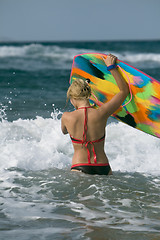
{"x": 39, "y": 197}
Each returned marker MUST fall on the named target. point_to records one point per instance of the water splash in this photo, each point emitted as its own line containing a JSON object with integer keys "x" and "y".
{"x": 3, "y": 115}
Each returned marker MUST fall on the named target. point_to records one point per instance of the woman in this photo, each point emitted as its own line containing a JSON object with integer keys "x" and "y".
{"x": 86, "y": 125}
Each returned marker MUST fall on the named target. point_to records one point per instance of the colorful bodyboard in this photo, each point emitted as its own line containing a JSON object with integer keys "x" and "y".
{"x": 141, "y": 108}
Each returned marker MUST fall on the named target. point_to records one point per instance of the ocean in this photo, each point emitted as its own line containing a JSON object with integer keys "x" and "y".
{"x": 39, "y": 197}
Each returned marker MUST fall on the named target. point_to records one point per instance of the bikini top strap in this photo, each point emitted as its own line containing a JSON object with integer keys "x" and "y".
{"x": 84, "y": 140}
{"x": 85, "y": 124}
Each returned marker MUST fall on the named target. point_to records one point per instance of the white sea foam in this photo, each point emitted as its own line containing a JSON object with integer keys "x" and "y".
{"x": 33, "y": 144}
{"x": 35, "y": 51}
{"x": 141, "y": 60}
{"x": 140, "y": 57}
{"x": 132, "y": 150}
{"x": 39, "y": 144}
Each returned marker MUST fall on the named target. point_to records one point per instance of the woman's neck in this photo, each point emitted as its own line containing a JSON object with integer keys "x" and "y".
{"x": 82, "y": 104}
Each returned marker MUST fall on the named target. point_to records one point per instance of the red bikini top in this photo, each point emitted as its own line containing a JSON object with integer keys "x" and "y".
{"x": 84, "y": 140}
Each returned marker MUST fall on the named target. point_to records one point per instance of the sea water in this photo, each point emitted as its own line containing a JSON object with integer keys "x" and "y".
{"x": 39, "y": 197}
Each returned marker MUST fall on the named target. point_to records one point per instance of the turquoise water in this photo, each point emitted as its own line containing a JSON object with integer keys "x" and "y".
{"x": 39, "y": 197}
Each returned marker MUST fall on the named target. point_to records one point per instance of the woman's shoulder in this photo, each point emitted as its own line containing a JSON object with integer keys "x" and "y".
{"x": 65, "y": 115}
{"x": 68, "y": 115}
{"x": 97, "y": 111}
{"x": 99, "y": 114}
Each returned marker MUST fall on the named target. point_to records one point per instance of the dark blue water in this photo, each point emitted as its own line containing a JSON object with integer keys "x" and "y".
{"x": 39, "y": 197}
{"x": 33, "y": 76}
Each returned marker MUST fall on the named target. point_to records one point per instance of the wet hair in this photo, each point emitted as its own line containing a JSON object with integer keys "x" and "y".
{"x": 79, "y": 89}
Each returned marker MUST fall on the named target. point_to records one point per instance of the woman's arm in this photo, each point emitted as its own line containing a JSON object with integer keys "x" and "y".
{"x": 63, "y": 127}
{"x": 110, "y": 107}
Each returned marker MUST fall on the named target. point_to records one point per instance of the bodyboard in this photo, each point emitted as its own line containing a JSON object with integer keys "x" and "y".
{"x": 141, "y": 109}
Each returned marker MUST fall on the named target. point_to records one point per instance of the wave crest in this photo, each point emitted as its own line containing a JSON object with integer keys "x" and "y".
{"x": 62, "y": 57}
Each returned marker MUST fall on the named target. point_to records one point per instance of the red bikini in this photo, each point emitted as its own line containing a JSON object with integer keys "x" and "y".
{"x": 90, "y": 168}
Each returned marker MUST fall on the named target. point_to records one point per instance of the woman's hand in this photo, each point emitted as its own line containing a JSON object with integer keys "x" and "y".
{"x": 110, "y": 60}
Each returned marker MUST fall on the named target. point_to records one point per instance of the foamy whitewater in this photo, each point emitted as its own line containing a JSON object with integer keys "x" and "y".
{"x": 39, "y": 197}
{"x": 38, "y": 144}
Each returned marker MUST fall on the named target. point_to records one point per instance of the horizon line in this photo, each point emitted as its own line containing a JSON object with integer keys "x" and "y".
{"x": 82, "y": 40}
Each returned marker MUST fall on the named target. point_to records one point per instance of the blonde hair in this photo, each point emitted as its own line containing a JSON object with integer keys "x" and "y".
{"x": 79, "y": 89}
